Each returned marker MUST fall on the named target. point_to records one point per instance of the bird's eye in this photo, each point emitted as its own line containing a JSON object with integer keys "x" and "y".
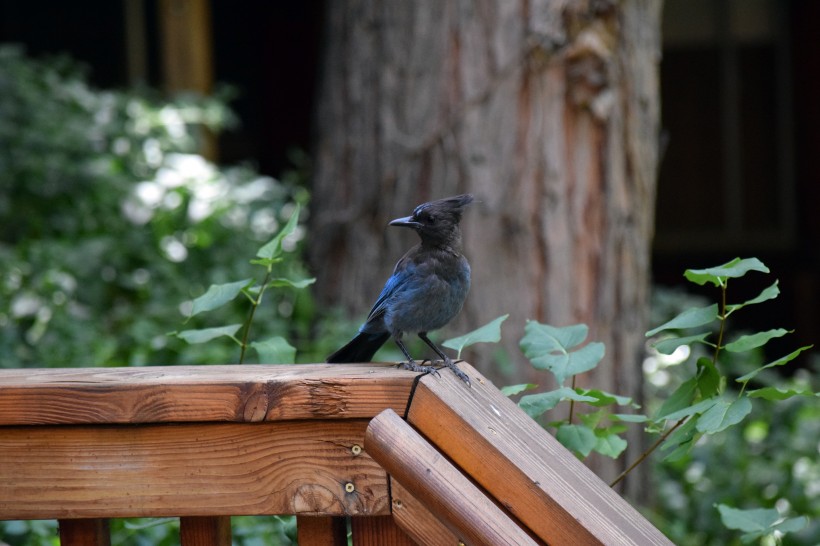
{"x": 431, "y": 219}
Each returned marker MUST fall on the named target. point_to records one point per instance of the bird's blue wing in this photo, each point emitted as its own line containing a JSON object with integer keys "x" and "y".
{"x": 395, "y": 284}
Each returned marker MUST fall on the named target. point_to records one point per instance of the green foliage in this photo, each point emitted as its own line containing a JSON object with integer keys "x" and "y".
{"x": 489, "y": 333}
{"x": 109, "y": 217}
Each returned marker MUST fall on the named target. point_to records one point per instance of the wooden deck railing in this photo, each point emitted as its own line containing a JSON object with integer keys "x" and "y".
{"x": 410, "y": 460}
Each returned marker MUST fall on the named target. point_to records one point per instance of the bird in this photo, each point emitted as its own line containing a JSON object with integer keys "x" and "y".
{"x": 426, "y": 290}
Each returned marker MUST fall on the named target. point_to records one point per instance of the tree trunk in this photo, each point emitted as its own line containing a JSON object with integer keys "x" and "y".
{"x": 548, "y": 111}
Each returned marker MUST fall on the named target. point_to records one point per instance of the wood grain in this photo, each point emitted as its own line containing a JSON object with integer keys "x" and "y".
{"x": 416, "y": 520}
{"x": 302, "y": 467}
{"x": 522, "y": 466}
{"x": 378, "y": 531}
{"x": 439, "y": 485}
{"x": 163, "y": 394}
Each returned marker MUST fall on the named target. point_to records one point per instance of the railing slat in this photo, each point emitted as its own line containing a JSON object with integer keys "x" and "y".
{"x": 205, "y": 531}
{"x": 416, "y": 520}
{"x": 449, "y": 495}
{"x": 379, "y": 531}
{"x": 84, "y": 532}
{"x": 522, "y": 466}
{"x": 321, "y": 531}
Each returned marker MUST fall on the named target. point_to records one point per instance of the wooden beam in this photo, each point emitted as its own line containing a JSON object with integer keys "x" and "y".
{"x": 289, "y": 467}
{"x": 522, "y": 466}
{"x": 447, "y": 493}
{"x": 187, "y": 56}
{"x": 205, "y": 531}
{"x": 167, "y": 394}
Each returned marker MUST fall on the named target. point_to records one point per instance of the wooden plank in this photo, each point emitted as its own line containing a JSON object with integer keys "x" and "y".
{"x": 162, "y": 394}
{"x": 84, "y": 532}
{"x": 378, "y": 531}
{"x": 321, "y": 531}
{"x": 416, "y": 520}
{"x": 302, "y": 467}
{"x": 432, "y": 479}
{"x": 205, "y": 531}
{"x": 544, "y": 485}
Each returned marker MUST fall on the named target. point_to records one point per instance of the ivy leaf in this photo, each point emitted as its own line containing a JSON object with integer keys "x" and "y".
{"x": 603, "y": 398}
{"x": 681, "y": 398}
{"x": 709, "y": 379}
{"x": 691, "y": 318}
{"x": 203, "y": 335}
{"x": 779, "y": 362}
{"x": 753, "y": 341}
{"x": 682, "y": 440}
{"x": 724, "y": 414}
{"x": 718, "y": 275}
{"x": 275, "y": 350}
{"x": 218, "y": 295}
{"x": 551, "y": 348}
{"x": 694, "y": 409}
{"x": 577, "y": 438}
{"x": 273, "y": 248}
{"x": 667, "y": 346}
{"x": 536, "y": 404}
{"x": 489, "y": 333}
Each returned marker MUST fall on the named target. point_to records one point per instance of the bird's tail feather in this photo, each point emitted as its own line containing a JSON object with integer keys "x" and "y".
{"x": 360, "y": 349}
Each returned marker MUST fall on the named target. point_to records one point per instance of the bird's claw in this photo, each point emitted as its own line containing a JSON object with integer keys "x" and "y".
{"x": 413, "y": 367}
{"x": 456, "y": 370}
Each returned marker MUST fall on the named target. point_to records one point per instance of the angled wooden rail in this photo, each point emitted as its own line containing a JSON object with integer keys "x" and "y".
{"x": 409, "y": 460}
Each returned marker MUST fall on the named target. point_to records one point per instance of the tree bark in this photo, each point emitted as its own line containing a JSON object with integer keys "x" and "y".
{"x": 548, "y": 111}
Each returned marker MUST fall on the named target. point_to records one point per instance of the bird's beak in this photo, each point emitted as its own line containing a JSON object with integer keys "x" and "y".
{"x": 407, "y": 221}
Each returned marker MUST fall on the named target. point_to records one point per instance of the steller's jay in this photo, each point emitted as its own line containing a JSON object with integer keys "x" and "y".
{"x": 426, "y": 290}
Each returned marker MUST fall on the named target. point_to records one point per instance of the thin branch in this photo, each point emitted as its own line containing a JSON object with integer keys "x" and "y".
{"x": 648, "y": 452}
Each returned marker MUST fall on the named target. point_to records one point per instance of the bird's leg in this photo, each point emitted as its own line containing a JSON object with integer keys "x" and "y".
{"x": 411, "y": 364}
{"x": 446, "y": 359}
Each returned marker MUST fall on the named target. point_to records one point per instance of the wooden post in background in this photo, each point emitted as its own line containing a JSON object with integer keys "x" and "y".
{"x": 187, "y": 52}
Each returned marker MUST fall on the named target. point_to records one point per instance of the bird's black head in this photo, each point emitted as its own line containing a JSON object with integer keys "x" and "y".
{"x": 436, "y": 222}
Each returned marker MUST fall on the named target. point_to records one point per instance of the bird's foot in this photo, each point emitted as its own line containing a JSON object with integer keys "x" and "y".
{"x": 413, "y": 367}
{"x": 452, "y": 364}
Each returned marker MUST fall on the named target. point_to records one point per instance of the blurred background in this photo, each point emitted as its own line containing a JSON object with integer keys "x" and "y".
{"x": 149, "y": 147}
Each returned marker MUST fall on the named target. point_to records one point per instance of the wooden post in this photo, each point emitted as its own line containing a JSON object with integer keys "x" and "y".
{"x": 379, "y": 531}
{"x": 205, "y": 531}
{"x": 84, "y": 532}
{"x": 321, "y": 531}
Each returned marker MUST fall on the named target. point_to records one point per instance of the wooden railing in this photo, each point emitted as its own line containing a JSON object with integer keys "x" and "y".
{"x": 425, "y": 460}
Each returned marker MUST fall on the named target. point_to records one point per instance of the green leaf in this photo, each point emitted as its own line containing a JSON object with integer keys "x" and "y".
{"x": 603, "y": 398}
{"x": 682, "y": 440}
{"x": 203, "y": 335}
{"x": 489, "y": 333}
{"x": 667, "y": 346}
{"x": 536, "y": 404}
{"x": 273, "y": 248}
{"x": 753, "y": 341}
{"x": 218, "y": 295}
{"x": 767, "y": 294}
{"x": 779, "y": 362}
{"x": 275, "y": 350}
{"x": 282, "y": 282}
{"x": 610, "y": 445}
{"x": 512, "y": 390}
{"x": 691, "y": 318}
{"x": 694, "y": 409}
{"x": 681, "y": 398}
{"x": 718, "y": 275}
{"x": 724, "y": 414}
{"x": 550, "y": 348}
{"x": 759, "y": 522}
{"x": 709, "y": 379}
{"x": 577, "y": 438}
{"x": 777, "y": 393}
{"x": 630, "y": 417}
